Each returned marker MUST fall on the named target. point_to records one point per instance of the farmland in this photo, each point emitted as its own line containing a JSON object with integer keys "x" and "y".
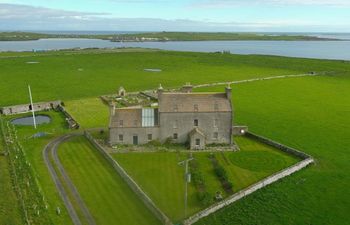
{"x": 308, "y": 113}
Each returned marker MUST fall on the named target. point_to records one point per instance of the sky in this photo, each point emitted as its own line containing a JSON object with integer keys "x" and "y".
{"x": 177, "y": 15}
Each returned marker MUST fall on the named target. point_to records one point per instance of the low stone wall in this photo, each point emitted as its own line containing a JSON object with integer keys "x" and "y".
{"x": 25, "y": 108}
{"x": 280, "y": 146}
{"x": 131, "y": 183}
{"x": 72, "y": 123}
{"x": 307, "y": 159}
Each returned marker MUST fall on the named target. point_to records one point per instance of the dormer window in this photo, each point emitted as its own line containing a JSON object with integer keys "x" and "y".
{"x": 195, "y": 107}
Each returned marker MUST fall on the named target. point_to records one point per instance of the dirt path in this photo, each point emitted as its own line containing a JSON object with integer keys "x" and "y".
{"x": 52, "y": 148}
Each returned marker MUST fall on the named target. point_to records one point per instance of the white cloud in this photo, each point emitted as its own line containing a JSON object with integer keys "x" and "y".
{"x": 22, "y": 17}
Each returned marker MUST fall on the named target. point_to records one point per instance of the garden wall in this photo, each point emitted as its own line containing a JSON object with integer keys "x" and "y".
{"x": 25, "y": 108}
{"x": 132, "y": 184}
{"x": 72, "y": 123}
{"x": 279, "y": 146}
{"x": 269, "y": 180}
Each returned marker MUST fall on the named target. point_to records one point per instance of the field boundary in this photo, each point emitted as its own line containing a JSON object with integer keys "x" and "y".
{"x": 306, "y": 160}
{"x": 131, "y": 183}
{"x": 255, "y": 79}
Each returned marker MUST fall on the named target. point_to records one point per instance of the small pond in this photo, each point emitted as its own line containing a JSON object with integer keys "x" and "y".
{"x": 28, "y": 121}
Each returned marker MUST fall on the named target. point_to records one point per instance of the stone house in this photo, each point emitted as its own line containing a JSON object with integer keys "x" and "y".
{"x": 184, "y": 117}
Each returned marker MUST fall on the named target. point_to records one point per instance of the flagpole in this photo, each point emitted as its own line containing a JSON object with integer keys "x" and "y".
{"x": 31, "y": 103}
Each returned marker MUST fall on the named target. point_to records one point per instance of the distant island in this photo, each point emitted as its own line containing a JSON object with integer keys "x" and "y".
{"x": 164, "y": 36}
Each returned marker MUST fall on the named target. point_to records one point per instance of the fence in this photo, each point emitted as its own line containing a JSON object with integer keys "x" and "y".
{"x": 132, "y": 184}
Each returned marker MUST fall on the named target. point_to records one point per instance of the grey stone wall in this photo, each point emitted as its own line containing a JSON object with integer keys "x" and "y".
{"x": 72, "y": 123}
{"x": 25, "y": 108}
{"x": 131, "y": 183}
{"x": 279, "y": 146}
{"x": 185, "y": 124}
{"x": 129, "y": 132}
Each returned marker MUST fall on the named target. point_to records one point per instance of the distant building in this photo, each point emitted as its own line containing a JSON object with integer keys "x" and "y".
{"x": 184, "y": 117}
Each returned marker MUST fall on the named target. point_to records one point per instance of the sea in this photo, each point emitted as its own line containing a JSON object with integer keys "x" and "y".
{"x": 335, "y": 50}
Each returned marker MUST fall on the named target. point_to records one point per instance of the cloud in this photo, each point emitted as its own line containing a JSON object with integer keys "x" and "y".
{"x": 235, "y": 3}
{"x": 23, "y": 17}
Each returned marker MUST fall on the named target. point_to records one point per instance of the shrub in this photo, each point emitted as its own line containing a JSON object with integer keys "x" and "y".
{"x": 205, "y": 198}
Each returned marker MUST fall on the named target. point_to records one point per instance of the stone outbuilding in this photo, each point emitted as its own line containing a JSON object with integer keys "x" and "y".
{"x": 197, "y": 118}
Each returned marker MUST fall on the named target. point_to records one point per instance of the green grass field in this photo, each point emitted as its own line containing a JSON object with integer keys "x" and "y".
{"x": 72, "y": 77}
{"x": 311, "y": 114}
{"x": 107, "y": 196}
{"x": 89, "y": 113}
{"x": 163, "y": 179}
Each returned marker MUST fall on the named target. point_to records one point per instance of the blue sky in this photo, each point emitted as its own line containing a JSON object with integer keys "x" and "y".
{"x": 177, "y": 15}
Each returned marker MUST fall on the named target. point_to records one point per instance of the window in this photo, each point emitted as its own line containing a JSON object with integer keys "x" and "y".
{"x": 148, "y": 117}
{"x": 198, "y": 142}
{"x": 149, "y": 136}
{"x": 216, "y": 135}
{"x": 195, "y": 107}
{"x": 175, "y": 124}
{"x": 121, "y": 137}
{"x": 135, "y": 123}
{"x": 175, "y": 108}
{"x": 175, "y": 136}
{"x": 121, "y": 123}
{"x": 216, "y": 121}
{"x": 196, "y": 123}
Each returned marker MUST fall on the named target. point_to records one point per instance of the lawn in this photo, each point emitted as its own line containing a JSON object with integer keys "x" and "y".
{"x": 162, "y": 178}
{"x": 107, "y": 196}
{"x": 90, "y": 112}
{"x": 311, "y": 114}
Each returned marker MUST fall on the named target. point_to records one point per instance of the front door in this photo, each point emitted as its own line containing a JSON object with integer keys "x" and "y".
{"x": 135, "y": 140}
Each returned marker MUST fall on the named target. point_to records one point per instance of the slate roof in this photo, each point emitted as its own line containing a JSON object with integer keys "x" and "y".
{"x": 131, "y": 117}
{"x": 194, "y": 102}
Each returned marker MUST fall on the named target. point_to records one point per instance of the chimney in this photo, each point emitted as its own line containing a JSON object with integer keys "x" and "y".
{"x": 187, "y": 88}
{"x": 228, "y": 91}
{"x": 160, "y": 90}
